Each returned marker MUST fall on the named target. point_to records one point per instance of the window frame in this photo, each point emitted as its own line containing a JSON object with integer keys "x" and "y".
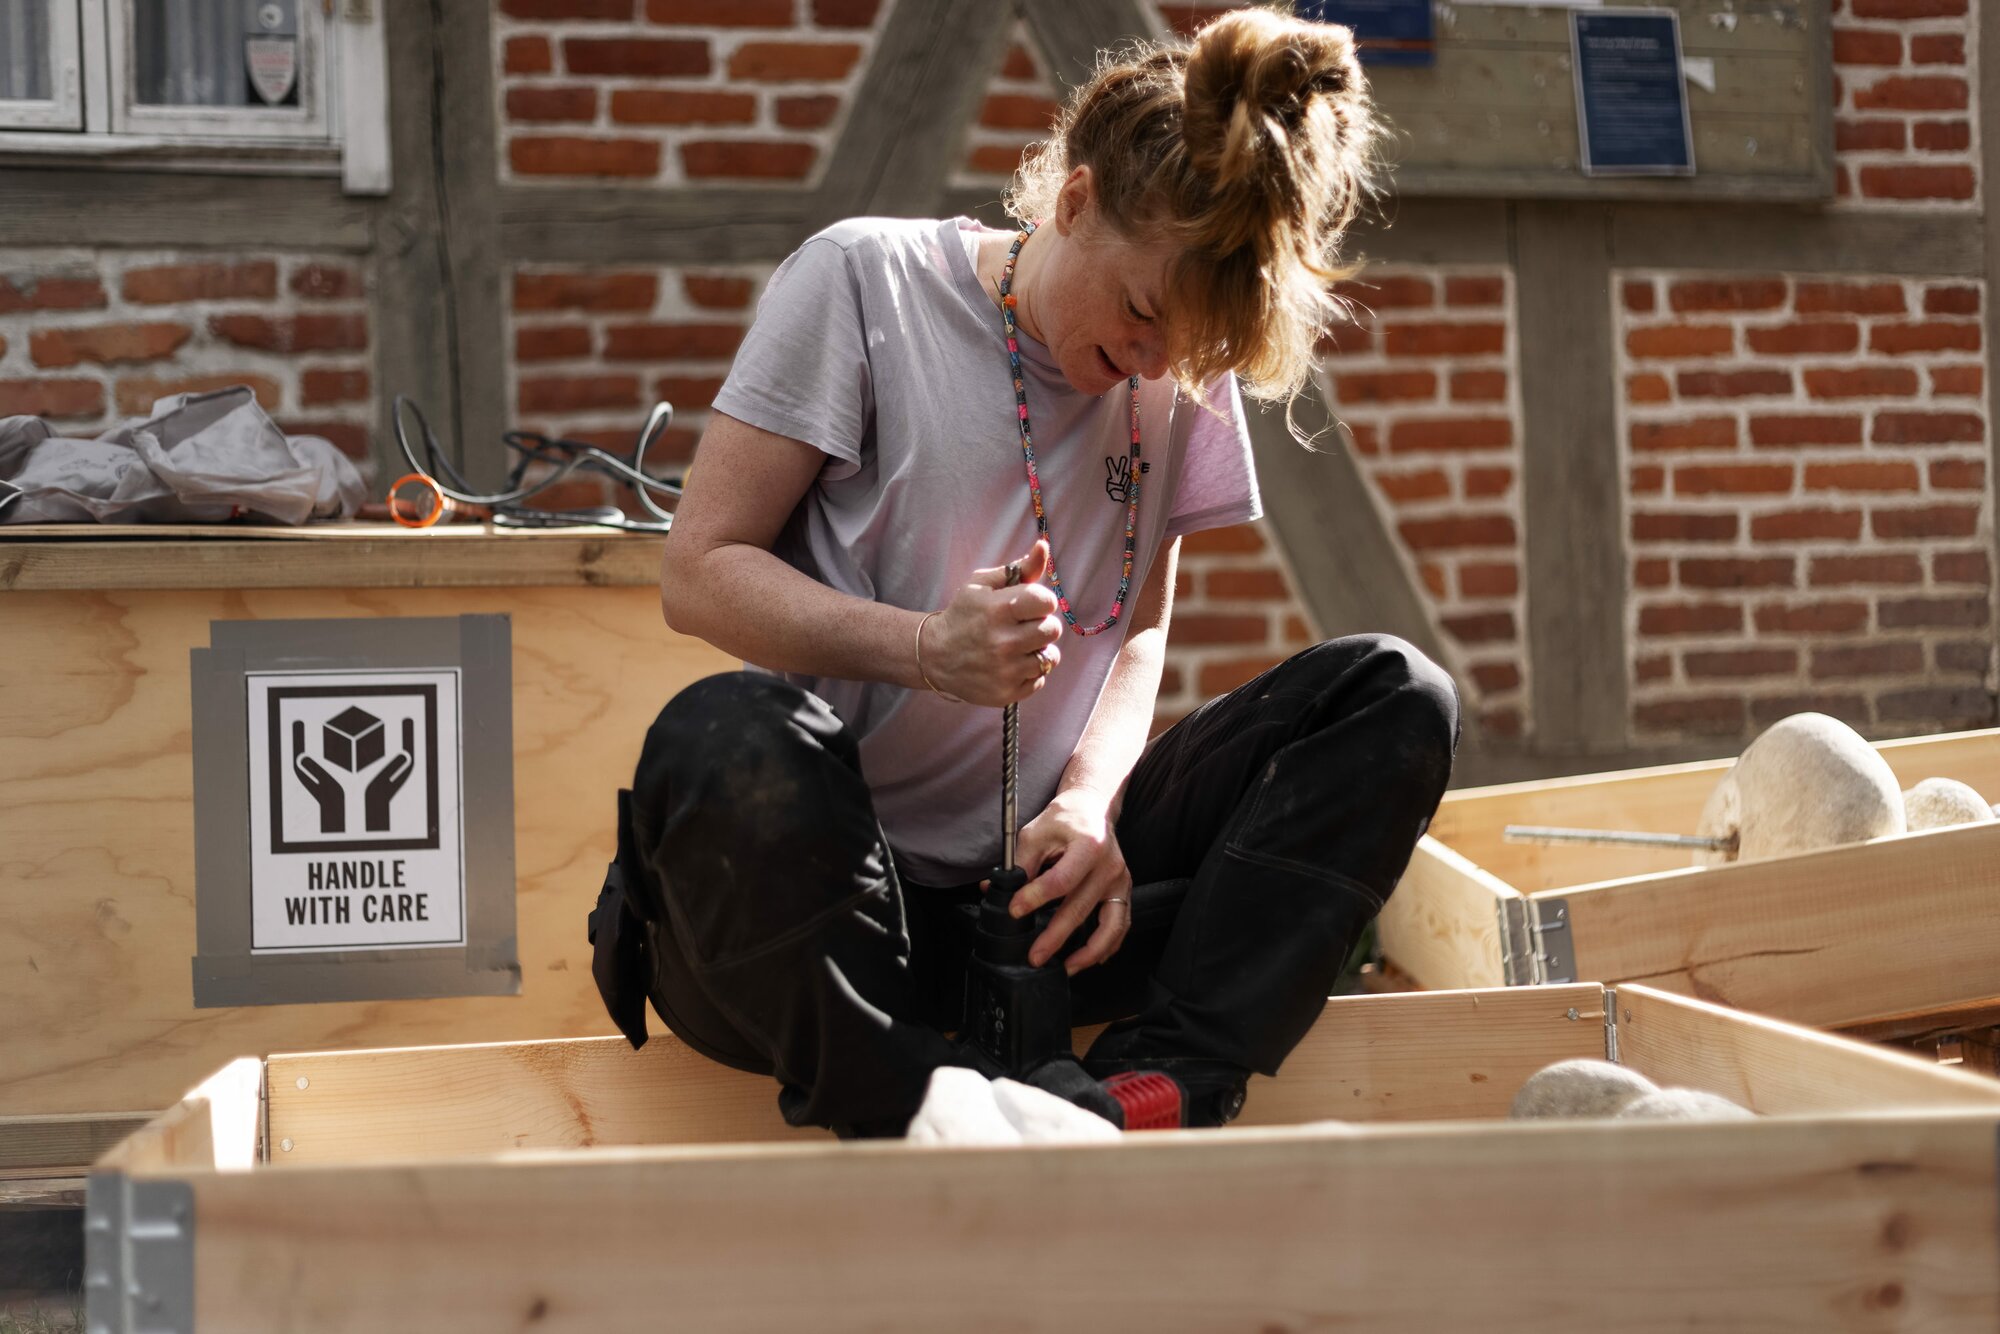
{"x": 311, "y": 124}
{"x": 63, "y": 113}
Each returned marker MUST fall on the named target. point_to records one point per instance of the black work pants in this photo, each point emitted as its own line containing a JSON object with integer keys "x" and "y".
{"x": 1264, "y": 832}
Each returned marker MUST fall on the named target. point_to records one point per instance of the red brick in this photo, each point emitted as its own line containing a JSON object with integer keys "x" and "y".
{"x": 1171, "y": 681}
{"x": 1835, "y": 663}
{"x": 326, "y": 282}
{"x": 677, "y": 342}
{"x": 1862, "y": 382}
{"x": 1502, "y": 723}
{"x": 564, "y": 11}
{"x": 1457, "y": 531}
{"x": 1717, "y": 716}
{"x": 1690, "y": 618}
{"x": 1694, "y": 433}
{"x": 1445, "y": 340}
{"x": 1943, "y": 709}
{"x": 1937, "y": 48}
{"x": 1704, "y": 294}
{"x": 688, "y": 391}
{"x": 1640, "y": 295}
{"x": 1848, "y": 708}
{"x": 747, "y": 159}
{"x": 1742, "y": 479}
{"x": 1433, "y": 578}
{"x": 293, "y": 333}
{"x": 1806, "y": 525}
{"x": 1478, "y": 386}
{"x": 57, "y": 399}
{"x": 1740, "y": 663}
{"x": 1219, "y": 628}
{"x": 1386, "y": 291}
{"x": 994, "y": 160}
{"x": 1867, "y": 46}
{"x": 1679, "y": 526}
{"x": 717, "y": 291}
{"x": 585, "y": 291}
{"x": 136, "y": 395}
{"x": 1733, "y": 384}
{"x": 1958, "y": 474}
{"x": 1488, "y": 580}
{"x": 1647, "y": 388}
{"x": 1900, "y": 475}
{"x": 1450, "y": 434}
{"x": 1809, "y": 336}
{"x": 636, "y": 57}
{"x": 1019, "y": 111}
{"x": 1727, "y": 572}
{"x": 551, "y": 342}
{"x": 529, "y": 55}
{"x": 721, "y": 13}
{"x": 1934, "y": 336}
{"x": 571, "y": 155}
{"x": 105, "y": 344}
{"x": 809, "y": 112}
{"x": 1843, "y": 571}
{"x": 1238, "y": 541}
{"x": 1221, "y": 676}
{"x": 578, "y": 393}
{"x": 1648, "y": 479}
{"x": 681, "y": 106}
{"x": 54, "y": 292}
{"x": 1943, "y": 136}
{"x": 1657, "y": 667}
{"x": 1681, "y": 340}
{"x": 1860, "y": 136}
{"x": 350, "y": 438}
{"x": 1344, "y": 338}
{"x": 1928, "y": 521}
{"x": 1248, "y": 586}
{"x": 1020, "y": 64}
{"x": 1484, "y": 627}
{"x": 1494, "y": 678}
{"x": 552, "y": 104}
{"x": 1932, "y": 613}
{"x": 1426, "y": 484}
{"x": 1804, "y": 430}
{"x": 789, "y": 62}
{"x": 1482, "y": 482}
{"x": 1929, "y": 92}
{"x": 1187, "y": 20}
{"x": 321, "y": 385}
{"x": 1298, "y": 633}
{"x": 172, "y": 283}
{"x": 1961, "y": 567}
{"x": 1474, "y": 290}
{"x": 1849, "y": 298}
{"x": 1908, "y": 9}
{"x": 1386, "y": 386}
{"x": 1812, "y": 618}
{"x": 1928, "y": 428}
{"x": 1973, "y": 657}
{"x": 1953, "y": 182}
{"x": 1958, "y": 380}
{"x": 1956, "y": 299}
{"x": 845, "y": 13}
{"x": 1652, "y": 573}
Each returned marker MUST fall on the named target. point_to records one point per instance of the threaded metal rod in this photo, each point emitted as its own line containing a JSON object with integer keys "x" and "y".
{"x": 1010, "y": 760}
{"x": 1525, "y": 833}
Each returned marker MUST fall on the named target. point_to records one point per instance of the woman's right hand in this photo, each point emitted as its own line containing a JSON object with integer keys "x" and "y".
{"x": 989, "y": 645}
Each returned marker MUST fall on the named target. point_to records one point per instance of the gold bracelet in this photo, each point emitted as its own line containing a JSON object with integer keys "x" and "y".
{"x": 920, "y": 661}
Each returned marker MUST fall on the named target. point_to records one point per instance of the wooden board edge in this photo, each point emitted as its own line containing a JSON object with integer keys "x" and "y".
{"x": 1442, "y": 925}
{"x": 71, "y": 1140}
{"x": 219, "y": 1124}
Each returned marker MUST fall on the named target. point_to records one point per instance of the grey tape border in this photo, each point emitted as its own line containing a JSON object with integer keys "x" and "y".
{"x": 225, "y": 972}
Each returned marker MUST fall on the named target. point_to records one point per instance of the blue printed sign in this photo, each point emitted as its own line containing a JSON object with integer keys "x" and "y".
{"x": 1631, "y": 106}
{"x": 1388, "y": 32}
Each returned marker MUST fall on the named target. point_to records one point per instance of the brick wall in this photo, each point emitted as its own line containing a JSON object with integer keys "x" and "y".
{"x": 677, "y": 92}
{"x": 1021, "y": 103}
{"x": 1806, "y": 468}
{"x": 1905, "y": 130}
{"x": 1236, "y": 613}
{"x": 90, "y": 337}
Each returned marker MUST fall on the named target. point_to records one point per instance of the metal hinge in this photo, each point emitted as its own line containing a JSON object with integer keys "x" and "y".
{"x": 1611, "y": 1025}
{"x": 138, "y": 1256}
{"x": 1535, "y": 943}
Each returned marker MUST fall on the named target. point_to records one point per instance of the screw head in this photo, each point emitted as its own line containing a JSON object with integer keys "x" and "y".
{"x": 285, "y": 1144}
{"x": 303, "y": 1081}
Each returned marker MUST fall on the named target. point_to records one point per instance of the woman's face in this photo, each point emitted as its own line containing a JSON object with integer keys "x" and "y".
{"x": 1101, "y": 305}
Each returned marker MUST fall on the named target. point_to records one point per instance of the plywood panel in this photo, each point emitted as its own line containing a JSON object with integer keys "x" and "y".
{"x": 1442, "y": 925}
{"x": 97, "y": 924}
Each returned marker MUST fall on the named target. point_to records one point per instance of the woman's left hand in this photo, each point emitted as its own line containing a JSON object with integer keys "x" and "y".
{"x": 1080, "y": 863}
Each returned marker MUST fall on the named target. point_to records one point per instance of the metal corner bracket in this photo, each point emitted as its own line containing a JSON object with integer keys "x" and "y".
{"x": 138, "y": 1242}
{"x": 1535, "y": 942}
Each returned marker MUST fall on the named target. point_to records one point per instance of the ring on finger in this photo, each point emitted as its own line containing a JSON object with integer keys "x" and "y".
{"x": 1117, "y": 899}
{"x": 1045, "y": 661}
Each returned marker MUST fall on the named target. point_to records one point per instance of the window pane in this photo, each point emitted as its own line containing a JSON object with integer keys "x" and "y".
{"x": 216, "y": 53}
{"x": 24, "y": 51}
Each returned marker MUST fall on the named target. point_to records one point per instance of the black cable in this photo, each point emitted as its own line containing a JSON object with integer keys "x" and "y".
{"x": 564, "y": 457}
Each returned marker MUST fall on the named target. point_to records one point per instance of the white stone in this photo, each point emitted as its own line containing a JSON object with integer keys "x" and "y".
{"x": 1579, "y": 1087}
{"x": 1808, "y": 782}
{"x": 1682, "y": 1105}
{"x": 1937, "y": 802}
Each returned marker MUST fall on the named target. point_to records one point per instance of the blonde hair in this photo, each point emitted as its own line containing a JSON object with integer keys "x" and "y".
{"x": 1251, "y": 150}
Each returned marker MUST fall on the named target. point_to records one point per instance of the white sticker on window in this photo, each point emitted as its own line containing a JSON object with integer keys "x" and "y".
{"x": 273, "y": 63}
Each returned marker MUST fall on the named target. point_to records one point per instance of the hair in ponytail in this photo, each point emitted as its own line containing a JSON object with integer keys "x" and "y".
{"x": 1251, "y": 150}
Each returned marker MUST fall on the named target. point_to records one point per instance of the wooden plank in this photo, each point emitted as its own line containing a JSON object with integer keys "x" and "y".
{"x": 1070, "y": 34}
{"x": 1796, "y": 240}
{"x": 1830, "y": 938}
{"x": 183, "y": 210}
{"x": 1989, "y": 160}
{"x": 377, "y": 556}
{"x": 1405, "y": 1057}
{"x": 1815, "y": 1225}
{"x": 217, "y": 1125}
{"x": 97, "y": 914}
{"x": 1572, "y": 482}
{"x": 48, "y": 1143}
{"x": 1442, "y": 925}
{"x": 1780, "y": 1069}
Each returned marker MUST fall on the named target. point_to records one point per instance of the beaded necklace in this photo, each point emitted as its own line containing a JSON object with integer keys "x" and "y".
{"x": 1028, "y": 452}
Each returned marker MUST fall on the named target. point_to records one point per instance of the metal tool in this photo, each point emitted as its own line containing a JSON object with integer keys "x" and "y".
{"x": 1529, "y": 833}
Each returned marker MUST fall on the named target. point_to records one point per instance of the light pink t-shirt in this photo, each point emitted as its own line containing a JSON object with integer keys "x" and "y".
{"x": 874, "y": 344}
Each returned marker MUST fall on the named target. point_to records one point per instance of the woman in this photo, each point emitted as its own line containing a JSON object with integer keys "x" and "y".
{"x": 918, "y": 406}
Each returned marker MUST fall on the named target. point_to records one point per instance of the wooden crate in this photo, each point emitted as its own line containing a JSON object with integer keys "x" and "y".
{"x": 97, "y": 888}
{"x": 577, "y": 1185}
{"x": 1889, "y": 933}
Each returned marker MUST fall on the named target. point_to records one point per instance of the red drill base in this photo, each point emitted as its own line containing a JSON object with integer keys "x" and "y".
{"x": 1150, "y": 1101}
